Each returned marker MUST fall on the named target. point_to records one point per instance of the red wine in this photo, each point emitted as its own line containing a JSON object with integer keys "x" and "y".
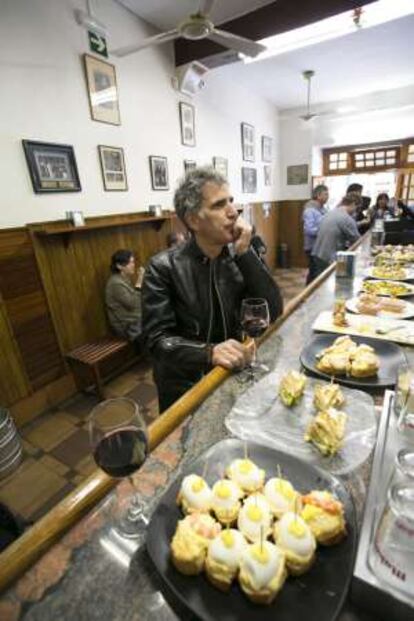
{"x": 122, "y": 452}
{"x": 255, "y": 326}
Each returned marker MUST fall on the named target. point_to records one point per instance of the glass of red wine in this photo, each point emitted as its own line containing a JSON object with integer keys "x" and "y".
{"x": 255, "y": 320}
{"x": 119, "y": 440}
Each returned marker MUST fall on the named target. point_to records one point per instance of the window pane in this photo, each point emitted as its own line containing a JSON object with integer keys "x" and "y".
{"x": 342, "y": 165}
{"x": 390, "y": 160}
{"x": 410, "y": 157}
{"x": 359, "y": 156}
{"x": 333, "y": 166}
{"x": 391, "y": 152}
{"x": 359, "y": 164}
{"x": 380, "y": 154}
{"x": 332, "y": 157}
{"x": 380, "y": 162}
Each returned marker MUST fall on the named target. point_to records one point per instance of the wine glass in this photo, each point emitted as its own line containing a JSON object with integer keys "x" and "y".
{"x": 119, "y": 441}
{"x": 254, "y": 321}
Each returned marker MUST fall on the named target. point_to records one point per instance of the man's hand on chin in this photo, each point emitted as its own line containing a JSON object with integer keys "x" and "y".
{"x": 231, "y": 355}
{"x": 242, "y": 235}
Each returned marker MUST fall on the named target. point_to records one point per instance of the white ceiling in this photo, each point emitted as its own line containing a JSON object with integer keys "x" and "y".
{"x": 367, "y": 61}
{"x": 375, "y": 59}
{"x": 166, "y": 14}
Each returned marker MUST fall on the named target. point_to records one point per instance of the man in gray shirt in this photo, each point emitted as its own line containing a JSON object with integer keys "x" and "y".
{"x": 338, "y": 230}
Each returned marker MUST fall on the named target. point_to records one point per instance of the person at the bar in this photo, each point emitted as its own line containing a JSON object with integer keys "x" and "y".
{"x": 192, "y": 293}
{"x": 338, "y": 231}
{"x": 313, "y": 213}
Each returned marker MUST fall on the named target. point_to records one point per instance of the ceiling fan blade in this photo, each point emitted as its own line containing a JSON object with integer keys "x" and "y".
{"x": 206, "y": 7}
{"x": 155, "y": 40}
{"x": 234, "y": 42}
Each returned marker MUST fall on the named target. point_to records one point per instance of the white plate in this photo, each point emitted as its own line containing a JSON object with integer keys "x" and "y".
{"x": 408, "y": 271}
{"x": 259, "y": 414}
{"x": 407, "y": 313}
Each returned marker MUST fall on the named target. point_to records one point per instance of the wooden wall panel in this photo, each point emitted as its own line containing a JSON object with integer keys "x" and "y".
{"x": 28, "y": 339}
{"x": 268, "y": 229}
{"x": 291, "y": 230}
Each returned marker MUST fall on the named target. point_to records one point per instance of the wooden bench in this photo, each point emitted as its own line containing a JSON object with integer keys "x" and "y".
{"x": 92, "y": 354}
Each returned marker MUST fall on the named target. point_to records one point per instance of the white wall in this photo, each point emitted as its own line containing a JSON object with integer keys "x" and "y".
{"x": 44, "y": 98}
{"x": 300, "y": 142}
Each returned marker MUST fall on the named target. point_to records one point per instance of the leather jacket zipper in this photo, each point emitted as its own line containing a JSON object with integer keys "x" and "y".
{"x": 220, "y": 303}
{"x": 210, "y": 295}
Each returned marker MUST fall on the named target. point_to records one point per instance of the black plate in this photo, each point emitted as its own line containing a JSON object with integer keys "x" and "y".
{"x": 390, "y": 355}
{"x": 320, "y": 592}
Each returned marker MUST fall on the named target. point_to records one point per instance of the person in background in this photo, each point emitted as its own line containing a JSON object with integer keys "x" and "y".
{"x": 123, "y": 297}
{"x": 381, "y": 210}
{"x": 175, "y": 239}
{"x": 192, "y": 293}
{"x": 362, "y": 213}
{"x": 338, "y": 230}
{"x": 313, "y": 213}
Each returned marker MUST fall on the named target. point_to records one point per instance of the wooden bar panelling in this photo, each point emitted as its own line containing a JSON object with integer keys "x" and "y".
{"x": 29, "y": 342}
{"x": 291, "y": 230}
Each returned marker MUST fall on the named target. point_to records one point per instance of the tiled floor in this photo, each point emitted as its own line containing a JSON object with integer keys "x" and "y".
{"x": 57, "y": 454}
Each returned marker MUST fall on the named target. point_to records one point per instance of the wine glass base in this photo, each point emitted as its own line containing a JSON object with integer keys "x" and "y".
{"x": 131, "y": 528}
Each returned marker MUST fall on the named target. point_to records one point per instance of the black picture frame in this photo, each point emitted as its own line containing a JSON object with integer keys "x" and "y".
{"x": 249, "y": 180}
{"x": 187, "y": 124}
{"x": 52, "y": 167}
{"x": 247, "y": 141}
{"x": 159, "y": 172}
{"x": 113, "y": 169}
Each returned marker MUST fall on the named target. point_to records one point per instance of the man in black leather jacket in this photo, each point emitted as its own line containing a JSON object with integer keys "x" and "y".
{"x": 192, "y": 293}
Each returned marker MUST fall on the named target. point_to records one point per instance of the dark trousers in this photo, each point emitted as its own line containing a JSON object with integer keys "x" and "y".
{"x": 320, "y": 266}
{"x": 312, "y": 267}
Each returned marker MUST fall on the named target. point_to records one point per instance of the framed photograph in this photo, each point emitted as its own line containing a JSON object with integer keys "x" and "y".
{"x": 266, "y": 149}
{"x": 221, "y": 165}
{"x": 267, "y": 170}
{"x": 249, "y": 180}
{"x": 159, "y": 172}
{"x": 189, "y": 165}
{"x": 297, "y": 175}
{"x": 187, "y": 124}
{"x": 102, "y": 90}
{"x": 52, "y": 167}
{"x": 247, "y": 137}
{"x": 113, "y": 168}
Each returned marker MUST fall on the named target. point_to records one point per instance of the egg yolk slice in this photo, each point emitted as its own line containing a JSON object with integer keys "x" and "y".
{"x": 197, "y": 485}
{"x": 296, "y": 529}
{"x": 284, "y": 488}
{"x": 223, "y": 490}
{"x": 260, "y": 554}
{"x": 227, "y": 538}
{"x": 254, "y": 513}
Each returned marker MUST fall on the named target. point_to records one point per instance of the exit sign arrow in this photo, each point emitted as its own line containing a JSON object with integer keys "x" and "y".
{"x": 97, "y": 43}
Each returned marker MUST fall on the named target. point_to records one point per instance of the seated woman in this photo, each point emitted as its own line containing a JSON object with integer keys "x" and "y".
{"x": 123, "y": 296}
{"x": 381, "y": 208}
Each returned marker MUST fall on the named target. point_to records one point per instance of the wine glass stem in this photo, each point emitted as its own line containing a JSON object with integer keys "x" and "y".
{"x": 135, "y": 510}
{"x": 254, "y": 358}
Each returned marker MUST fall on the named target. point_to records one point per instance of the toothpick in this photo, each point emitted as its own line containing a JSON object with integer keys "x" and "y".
{"x": 332, "y": 379}
{"x": 261, "y": 539}
{"x": 279, "y": 471}
{"x": 246, "y": 455}
{"x": 204, "y": 473}
{"x": 296, "y": 511}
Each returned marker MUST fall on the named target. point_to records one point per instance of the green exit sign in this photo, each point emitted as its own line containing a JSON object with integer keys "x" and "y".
{"x": 97, "y": 43}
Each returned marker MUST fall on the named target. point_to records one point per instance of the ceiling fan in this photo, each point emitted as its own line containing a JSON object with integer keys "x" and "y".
{"x": 196, "y": 27}
{"x": 308, "y": 116}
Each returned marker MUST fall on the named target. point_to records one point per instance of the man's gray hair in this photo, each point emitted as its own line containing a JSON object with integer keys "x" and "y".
{"x": 318, "y": 190}
{"x": 189, "y": 194}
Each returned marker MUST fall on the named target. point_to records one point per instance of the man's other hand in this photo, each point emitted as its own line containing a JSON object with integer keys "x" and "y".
{"x": 242, "y": 235}
{"x": 231, "y": 354}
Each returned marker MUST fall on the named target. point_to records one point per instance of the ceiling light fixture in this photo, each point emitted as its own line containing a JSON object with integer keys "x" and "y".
{"x": 346, "y": 23}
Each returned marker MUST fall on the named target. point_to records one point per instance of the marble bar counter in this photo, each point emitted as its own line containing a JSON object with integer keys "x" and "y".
{"x": 90, "y": 574}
